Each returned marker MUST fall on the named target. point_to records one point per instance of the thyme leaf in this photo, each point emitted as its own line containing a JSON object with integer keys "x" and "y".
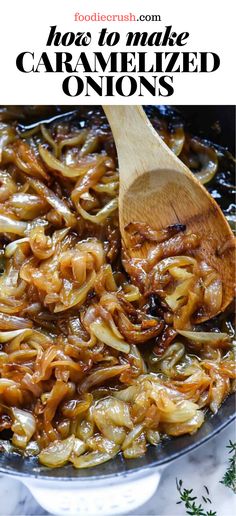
{"x": 193, "y": 508}
{"x": 229, "y": 478}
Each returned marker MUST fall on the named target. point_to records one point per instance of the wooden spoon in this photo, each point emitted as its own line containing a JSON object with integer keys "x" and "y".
{"x": 156, "y": 188}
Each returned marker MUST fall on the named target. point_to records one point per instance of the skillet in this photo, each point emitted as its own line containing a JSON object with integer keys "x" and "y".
{"x": 118, "y": 485}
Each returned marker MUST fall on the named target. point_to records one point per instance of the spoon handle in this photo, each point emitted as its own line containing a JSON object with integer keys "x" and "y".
{"x": 139, "y": 147}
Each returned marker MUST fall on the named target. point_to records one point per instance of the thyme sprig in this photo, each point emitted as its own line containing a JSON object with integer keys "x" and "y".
{"x": 191, "y": 503}
{"x": 229, "y": 478}
{"x": 193, "y": 507}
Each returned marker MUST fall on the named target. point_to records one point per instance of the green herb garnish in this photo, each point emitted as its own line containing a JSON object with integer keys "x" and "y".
{"x": 192, "y": 506}
{"x": 229, "y": 478}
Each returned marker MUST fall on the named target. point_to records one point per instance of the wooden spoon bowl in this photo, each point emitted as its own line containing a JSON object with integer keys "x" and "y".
{"x": 157, "y": 189}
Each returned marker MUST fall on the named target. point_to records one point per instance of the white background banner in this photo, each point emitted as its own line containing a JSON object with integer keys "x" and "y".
{"x": 25, "y": 27}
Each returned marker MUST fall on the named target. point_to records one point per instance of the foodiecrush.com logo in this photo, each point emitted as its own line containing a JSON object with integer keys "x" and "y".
{"x": 128, "y": 17}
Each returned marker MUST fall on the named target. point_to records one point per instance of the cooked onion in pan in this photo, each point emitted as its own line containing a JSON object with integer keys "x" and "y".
{"x": 100, "y": 354}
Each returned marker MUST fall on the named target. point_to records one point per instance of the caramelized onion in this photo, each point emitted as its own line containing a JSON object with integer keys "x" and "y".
{"x": 9, "y": 225}
{"x": 105, "y": 334}
{"x": 94, "y": 359}
{"x": 5, "y": 336}
{"x": 89, "y": 460}
{"x": 7, "y": 185}
{"x": 27, "y": 206}
{"x": 101, "y": 375}
{"x": 57, "y": 453}
{"x": 139, "y": 333}
{"x": 54, "y": 164}
{"x": 12, "y": 247}
{"x": 102, "y": 215}
{"x": 23, "y": 427}
{"x": 58, "y": 204}
{"x": 10, "y": 322}
{"x": 208, "y": 159}
{"x": 142, "y": 232}
{"x": 77, "y": 297}
{"x": 205, "y": 337}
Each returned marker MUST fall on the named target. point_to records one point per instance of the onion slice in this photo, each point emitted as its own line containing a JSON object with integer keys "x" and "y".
{"x": 11, "y": 248}
{"x": 58, "y": 204}
{"x": 94, "y": 458}
{"x": 101, "y": 375}
{"x": 54, "y": 164}
{"x": 57, "y": 453}
{"x": 8, "y": 225}
{"x": 10, "y": 322}
{"x": 204, "y": 337}
{"x": 23, "y": 427}
{"x": 79, "y": 296}
{"x": 105, "y": 334}
{"x": 5, "y": 336}
{"x": 102, "y": 215}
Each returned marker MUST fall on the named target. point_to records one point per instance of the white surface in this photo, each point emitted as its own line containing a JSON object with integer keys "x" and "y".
{"x": 92, "y": 497}
{"x": 204, "y": 466}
